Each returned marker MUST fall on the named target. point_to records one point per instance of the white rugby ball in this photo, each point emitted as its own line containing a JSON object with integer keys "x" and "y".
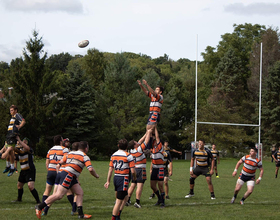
{"x": 83, "y": 43}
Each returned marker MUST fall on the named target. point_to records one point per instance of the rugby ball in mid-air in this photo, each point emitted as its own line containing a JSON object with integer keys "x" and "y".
{"x": 83, "y": 43}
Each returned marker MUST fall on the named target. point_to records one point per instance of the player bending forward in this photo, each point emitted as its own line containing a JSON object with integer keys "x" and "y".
{"x": 75, "y": 162}
{"x": 251, "y": 163}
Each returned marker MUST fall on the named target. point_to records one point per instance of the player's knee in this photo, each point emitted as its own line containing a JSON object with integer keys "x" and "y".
{"x": 192, "y": 180}
{"x": 121, "y": 195}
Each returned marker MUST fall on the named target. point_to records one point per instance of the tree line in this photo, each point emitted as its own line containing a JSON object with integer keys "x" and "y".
{"x": 96, "y": 97}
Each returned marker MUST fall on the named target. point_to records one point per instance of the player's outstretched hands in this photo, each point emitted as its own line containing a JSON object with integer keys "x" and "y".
{"x": 139, "y": 82}
{"x": 144, "y": 82}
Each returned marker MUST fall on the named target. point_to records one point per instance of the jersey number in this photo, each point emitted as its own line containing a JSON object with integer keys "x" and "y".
{"x": 118, "y": 164}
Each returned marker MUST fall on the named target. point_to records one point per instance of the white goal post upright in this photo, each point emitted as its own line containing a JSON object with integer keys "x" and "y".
{"x": 233, "y": 124}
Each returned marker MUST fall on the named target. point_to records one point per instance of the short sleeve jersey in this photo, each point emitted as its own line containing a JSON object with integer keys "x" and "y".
{"x": 139, "y": 156}
{"x": 250, "y": 165}
{"x": 55, "y": 154}
{"x": 122, "y": 161}
{"x": 202, "y": 157}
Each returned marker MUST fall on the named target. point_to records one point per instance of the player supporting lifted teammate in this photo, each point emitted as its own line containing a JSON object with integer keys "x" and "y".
{"x": 251, "y": 163}
{"x": 16, "y": 123}
{"x": 203, "y": 157}
{"x": 157, "y": 169}
{"x": 155, "y": 104}
{"x": 140, "y": 166}
{"x": 75, "y": 162}
{"x": 28, "y": 170}
{"x": 216, "y": 157}
{"x": 276, "y": 157}
{"x": 121, "y": 161}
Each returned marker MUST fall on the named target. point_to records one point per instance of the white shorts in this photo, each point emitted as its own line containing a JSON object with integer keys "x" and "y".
{"x": 249, "y": 183}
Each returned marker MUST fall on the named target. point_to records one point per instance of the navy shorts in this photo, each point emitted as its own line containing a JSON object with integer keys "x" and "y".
{"x": 157, "y": 174}
{"x": 67, "y": 180}
{"x": 140, "y": 175}
{"x": 154, "y": 118}
{"x": 51, "y": 177}
{"x": 121, "y": 183}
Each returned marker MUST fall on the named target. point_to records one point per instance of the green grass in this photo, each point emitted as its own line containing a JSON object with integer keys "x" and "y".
{"x": 263, "y": 203}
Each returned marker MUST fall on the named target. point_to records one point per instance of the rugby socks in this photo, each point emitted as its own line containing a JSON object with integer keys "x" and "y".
{"x": 12, "y": 167}
{"x": 8, "y": 164}
{"x": 80, "y": 211}
{"x": 35, "y": 195}
{"x": 217, "y": 174}
{"x": 114, "y": 217}
{"x": 157, "y": 193}
{"x": 70, "y": 199}
{"x": 46, "y": 209}
{"x": 20, "y": 193}
{"x": 138, "y": 201}
{"x": 128, "y": 200}
{"x": 74, "y": 207}
{"x": 191, "y": 191}
{"x": 235, "y": 195}
{"x": 42, "y": 206}
{"x": 243, "y": 199}
{"x": 44, "y": 198}
{"x": 162, "y": 197}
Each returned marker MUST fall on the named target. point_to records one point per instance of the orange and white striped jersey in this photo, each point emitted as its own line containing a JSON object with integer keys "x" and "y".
{"x": 139, "y": 156}
{"x": 250, "y": 165}
{"x": 156, "y": 102}
{"x": 121, "y": 161}
{"x": 158, "y": 154}
{"x": 55, "y": 154}
{"x": 75, "y": 162}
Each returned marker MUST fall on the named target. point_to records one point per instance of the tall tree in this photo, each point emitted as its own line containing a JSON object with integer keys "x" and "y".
{"x": 36, "y": 88}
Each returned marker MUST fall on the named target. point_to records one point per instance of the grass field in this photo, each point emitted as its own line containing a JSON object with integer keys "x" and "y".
{"x": 263, "y": 203}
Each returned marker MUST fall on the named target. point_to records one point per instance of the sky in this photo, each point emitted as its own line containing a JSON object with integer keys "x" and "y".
{"x": 178, "y": 28}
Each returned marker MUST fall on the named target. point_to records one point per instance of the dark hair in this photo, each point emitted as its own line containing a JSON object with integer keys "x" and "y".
{"x": 122, "y": 144}
{"x": 277, "y": 145}
{"x": 14, "y": 107}
{"x": 83, "y": 145}
{"x": 161, "y": 89}
{"x": 131, "y": 144}
{"x": 202, "y": 140}
{"x": 255, "y": 149}
{"x": 57, "y": 139}
{"x": 75, "y": 146}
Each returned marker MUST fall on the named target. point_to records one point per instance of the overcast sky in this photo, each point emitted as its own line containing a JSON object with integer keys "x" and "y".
{"x": 151, "y": 27}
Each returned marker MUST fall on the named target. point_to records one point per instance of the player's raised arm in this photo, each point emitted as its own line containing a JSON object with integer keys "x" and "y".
{"x": 149, "y": 88}
{"x": 142, "y": 87}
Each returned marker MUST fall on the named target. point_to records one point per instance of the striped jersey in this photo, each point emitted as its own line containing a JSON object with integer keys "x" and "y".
{"x": 122, "y": 161}
{"x": 277, "y": 155}
{"x": 75, "y": 162}
{"x": 158, "y": 154}
{"x": 139, "y": 156}
{"x": 55, "y": 154}
{"x": 250, "y": 165}
{"x": 156, "y": 102}
{"x": 25, "y": 158}
{"x": 215, "y": 154}
{"x": 202, "y": 157}
{"x": 15, "y": 120}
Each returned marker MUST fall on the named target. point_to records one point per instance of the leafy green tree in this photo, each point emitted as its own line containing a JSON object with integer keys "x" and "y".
{"x": 271, "y": 107}
{"x": 58, "y": 62}
{"x": 36, "y": 90}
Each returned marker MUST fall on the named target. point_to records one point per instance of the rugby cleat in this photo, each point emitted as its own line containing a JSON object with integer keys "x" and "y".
{"x": 241, "y": 202}
{"x": 152, "y": 196}
{"x": 167, "y": 197}
{"x": 232, "y": 200}
{"x": 217, "y": 177}
{"x": 213, "y": 197}
{"x": 11, "y": 172}
{"x": 189, "y": 195}
{"x": 7, "y": 169}
{"x": 85, "y": 216}
{"x": 38, "y": 212}
{"x": 137, "y": 205}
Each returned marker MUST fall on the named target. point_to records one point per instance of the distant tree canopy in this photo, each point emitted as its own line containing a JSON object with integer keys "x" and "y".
{"x": 96, "y": 97}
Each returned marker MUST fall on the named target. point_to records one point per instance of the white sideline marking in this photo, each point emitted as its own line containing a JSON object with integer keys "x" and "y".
{"x": 151, "y": 205}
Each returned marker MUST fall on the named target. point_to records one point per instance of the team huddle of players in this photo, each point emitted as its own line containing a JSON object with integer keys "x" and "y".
{"x": 128, "y": 164}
